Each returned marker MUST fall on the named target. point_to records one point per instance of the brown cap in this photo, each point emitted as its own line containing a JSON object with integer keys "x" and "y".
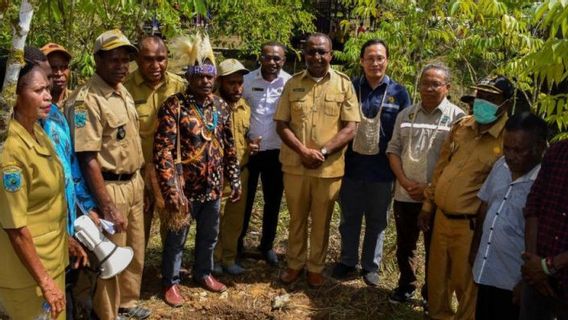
{"x": 54, "y": 47}
{"x": 113, "y": 39}
{"x": 230, "y": 66}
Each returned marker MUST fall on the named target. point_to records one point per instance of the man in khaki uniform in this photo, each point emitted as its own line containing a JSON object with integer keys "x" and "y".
{"x": 317, "y": 116}
{"x": 466, "y": 158}
{"x": 150, "y": 85}
{"x": 59, "y": 59}
{"x": 230, "y": 84}
{"x": 105, "y": 125}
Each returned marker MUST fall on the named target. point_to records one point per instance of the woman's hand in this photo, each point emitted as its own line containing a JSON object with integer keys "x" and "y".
{"x": 76, "y": 251}
{"x": 53, "y": 295}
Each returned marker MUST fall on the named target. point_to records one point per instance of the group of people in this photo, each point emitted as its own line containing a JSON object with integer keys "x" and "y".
{"x": 126, "y": 147}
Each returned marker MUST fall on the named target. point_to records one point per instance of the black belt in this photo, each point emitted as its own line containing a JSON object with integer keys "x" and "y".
{"x": 459, "y": 216}
{"x": 109, "y": 176}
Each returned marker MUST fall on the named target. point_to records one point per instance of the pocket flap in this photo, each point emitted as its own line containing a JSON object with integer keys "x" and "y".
{"x": 114, "y": 121}
{"x": 334, "y": 97}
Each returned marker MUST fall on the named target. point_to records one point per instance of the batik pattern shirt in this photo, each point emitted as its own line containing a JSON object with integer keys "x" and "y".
{"x": 76, "y": 191}
{"x": 208, "y": 153}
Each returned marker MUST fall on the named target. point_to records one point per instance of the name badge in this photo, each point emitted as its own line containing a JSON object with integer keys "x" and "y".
{"x": 258, "y": 89}
{"x": 299, "y": 90}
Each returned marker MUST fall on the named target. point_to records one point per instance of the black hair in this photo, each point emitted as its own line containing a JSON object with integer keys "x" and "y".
{"x": 273, "y": 44}
{"x": 155, "y": 38}
{"x": 528, "y": 122}
{"x": 373, "y": 42}
{"x": 320, "y": 35}
{"x": 34, "y": 55}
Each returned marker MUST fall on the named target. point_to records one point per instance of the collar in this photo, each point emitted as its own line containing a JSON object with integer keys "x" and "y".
{"x": 191, "y": 99}
{"x": 241, "y": 104}
{"x": 385, "y": 81}
{"x": 330, "y": 73}
{"x": 258, "y": 75}
{"x": 527, "y": 177}
{"x": 495, "y": 130}
{"x": 442, "y": 107}
{"x": 104, "y": 88}
{"x": 139, "y": 79}
{"x": 25, "y": 136}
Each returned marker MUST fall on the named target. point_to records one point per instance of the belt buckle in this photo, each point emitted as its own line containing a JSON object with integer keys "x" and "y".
{"x": 119, "y": 178}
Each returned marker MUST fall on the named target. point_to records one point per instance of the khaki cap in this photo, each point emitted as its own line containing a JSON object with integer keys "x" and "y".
{"x": 113, "y": 39}
{"x": 54, "y": 47}
{"x": 230, "y": 66}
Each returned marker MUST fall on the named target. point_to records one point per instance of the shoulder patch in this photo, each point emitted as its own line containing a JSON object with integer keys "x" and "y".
{"x": 12, "y": 178}
{"x": 80, "y": 116}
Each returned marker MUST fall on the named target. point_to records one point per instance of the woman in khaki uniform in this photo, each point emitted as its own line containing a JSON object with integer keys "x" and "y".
{"x": 32, "y": 209}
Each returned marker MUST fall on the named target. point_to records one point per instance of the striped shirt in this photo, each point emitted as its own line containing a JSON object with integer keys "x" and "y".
{"x": 417, "y": 139}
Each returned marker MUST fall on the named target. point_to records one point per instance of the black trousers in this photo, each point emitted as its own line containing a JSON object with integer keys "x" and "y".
{"x": 407, "y": 232}
{"x": 495, "y": 303}
{"x": 265, "y": 165}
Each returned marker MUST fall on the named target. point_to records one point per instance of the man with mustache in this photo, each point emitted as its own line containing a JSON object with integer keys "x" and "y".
{"x": 59, "y": 59}
{"x": 316, "y": 117}
{"x": 104, "y": 123}
{"x": 150, "y": 85}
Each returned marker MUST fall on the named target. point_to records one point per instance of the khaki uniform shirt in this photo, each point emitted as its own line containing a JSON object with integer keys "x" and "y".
{"x": 315, "y": 111}
{"x": 104, "y": 120}
{"x": 148, "y": 101}
{"x": 240, "y": 117}
{"x": 417, "y": 139}
{"x": 466, "y": 159}
{"x": 32, "y": 195}
{"x": 61, "y": 104}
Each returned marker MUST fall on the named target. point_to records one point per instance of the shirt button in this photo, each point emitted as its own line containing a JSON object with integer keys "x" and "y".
{"x": 556, "y": 238}
{"x": 563, "y": 214}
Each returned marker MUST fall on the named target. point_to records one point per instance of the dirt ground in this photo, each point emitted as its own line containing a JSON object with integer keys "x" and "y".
{"x": 258, "y": 294}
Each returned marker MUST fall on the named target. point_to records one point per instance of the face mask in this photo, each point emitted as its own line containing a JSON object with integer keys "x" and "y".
{"x": 484, "y": 111}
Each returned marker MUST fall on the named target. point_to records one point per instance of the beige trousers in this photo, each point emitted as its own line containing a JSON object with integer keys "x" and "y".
{"x": 309, "y": 198}
{"x": 124, "y": 290}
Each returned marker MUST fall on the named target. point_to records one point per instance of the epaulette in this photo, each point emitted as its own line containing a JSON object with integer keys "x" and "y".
{"x": 343, "y": 75}
{"x": 78, "y": 97}
{"x": 297, "y": 74}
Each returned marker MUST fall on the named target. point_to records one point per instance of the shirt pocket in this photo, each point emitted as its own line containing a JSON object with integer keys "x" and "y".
{"x": 117, "y": 129}
{"x": 332, "y": 104}
{"x": 298, "y": 107}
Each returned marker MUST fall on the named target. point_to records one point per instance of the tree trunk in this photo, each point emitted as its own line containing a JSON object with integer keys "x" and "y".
{"x": 15, "y": 63}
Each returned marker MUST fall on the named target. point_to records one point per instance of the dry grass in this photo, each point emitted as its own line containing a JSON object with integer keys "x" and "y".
{"x": 250, "y": 296}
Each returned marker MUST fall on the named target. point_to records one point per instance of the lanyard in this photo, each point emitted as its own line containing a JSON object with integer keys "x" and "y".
{"x": 431, "y": 140}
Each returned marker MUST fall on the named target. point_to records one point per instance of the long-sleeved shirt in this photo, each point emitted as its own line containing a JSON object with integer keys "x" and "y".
{"x": 207, "y": 146}
{"x": 376, "y": 168}
{"x": 263, "y": 97}
{"x": 77, "y": 193}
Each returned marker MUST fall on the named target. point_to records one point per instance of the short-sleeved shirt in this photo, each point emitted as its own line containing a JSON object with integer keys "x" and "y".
{"x": 79, "y": 199}
{"x": 104, "y": 120}
{"x": 498, "y": 262}
{"x": 426, "y": 131}
{"x": 240, "y": 116}
{"x": 32, "y": 195}
{"x": 263, "y": 97}
{"x": 376, "y": 168}
{"x": 61, "y": 104}
{"x": 148, "y": 101}
{"x": 547, "y": 202}
{"x": 314, "y": 111}
{"x": 466, "y": 159}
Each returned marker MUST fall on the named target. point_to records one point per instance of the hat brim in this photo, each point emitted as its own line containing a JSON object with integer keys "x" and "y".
{"x": 243, "y": 71}
{"x": 486, "y": 88}
{"x": 65, "y": 53}
{"x": 133, "y": 50}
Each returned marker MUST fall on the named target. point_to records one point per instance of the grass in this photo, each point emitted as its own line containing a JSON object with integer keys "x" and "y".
{"x": 250, "y": 296}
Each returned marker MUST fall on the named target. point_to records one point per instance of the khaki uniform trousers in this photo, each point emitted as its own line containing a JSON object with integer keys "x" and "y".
{"x": 232, "y": 217}
{"x": 309, "y": 198}
{"x": 449, "y": 270}
{"x": 151, "y": 210}
{"x": 26, "y": 303}
{"x": 124, "y": 290}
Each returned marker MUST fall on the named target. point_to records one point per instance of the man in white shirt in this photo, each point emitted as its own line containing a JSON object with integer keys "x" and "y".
{"x": 262, "y": 89}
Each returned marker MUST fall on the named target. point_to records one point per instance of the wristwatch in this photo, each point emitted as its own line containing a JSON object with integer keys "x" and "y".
{"x": 324, "y": 152}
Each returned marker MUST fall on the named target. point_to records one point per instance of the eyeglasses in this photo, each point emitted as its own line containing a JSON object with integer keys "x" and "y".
{"x": 269, "y": 58}
{"x": 372, "y": 60}
{"x": 433, "y": 85}
{"x": 313, "y": 52}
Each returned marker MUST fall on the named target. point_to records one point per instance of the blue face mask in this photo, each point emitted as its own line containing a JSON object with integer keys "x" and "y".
{"x": 484, "y": 111}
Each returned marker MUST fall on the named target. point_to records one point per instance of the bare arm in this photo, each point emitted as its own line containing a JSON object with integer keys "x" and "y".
{"x": 342, "y": 138}
{"x": 93, "y": 174}
{"x": 21, "y": 240}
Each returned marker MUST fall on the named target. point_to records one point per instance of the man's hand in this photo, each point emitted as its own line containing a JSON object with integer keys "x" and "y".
{"x": 254, "y": 145}
{"x": 424, "y": 221}
{"x": 116, "y": 217}
{"x": 534, "y": 275}
{"x": 312, "y": 158}
{"x": 416, "y": 191}
{"x": 235, "y": 195}
{"x": 75, "y": 250}
{"x": 53, "y": 295}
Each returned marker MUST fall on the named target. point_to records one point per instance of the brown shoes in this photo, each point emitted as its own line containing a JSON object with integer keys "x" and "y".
{"x": 211, "y": 284}
{"x": 172, "y": 296}
{"x": 290, "y": 275}
{"x": 315, "y": 280}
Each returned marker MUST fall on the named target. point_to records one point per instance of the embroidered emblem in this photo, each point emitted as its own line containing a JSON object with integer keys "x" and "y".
{"x": 390, "y": 99}
{"x": 445, "y": 119}
{"x": 410, "y": 116}
{"x": 80, "y": 118}
{"x": 12, "y": 178}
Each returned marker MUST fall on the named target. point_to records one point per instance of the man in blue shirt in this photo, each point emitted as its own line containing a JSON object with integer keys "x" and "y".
{"x": 366, "y": 188}
{"x": 499, "y": 237}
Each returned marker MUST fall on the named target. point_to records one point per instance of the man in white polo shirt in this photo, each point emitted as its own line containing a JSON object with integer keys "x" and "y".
{"x": 262, "y": 89}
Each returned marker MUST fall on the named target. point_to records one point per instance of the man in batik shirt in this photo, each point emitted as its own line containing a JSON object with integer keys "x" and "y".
{"x": 208, "y": 156}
